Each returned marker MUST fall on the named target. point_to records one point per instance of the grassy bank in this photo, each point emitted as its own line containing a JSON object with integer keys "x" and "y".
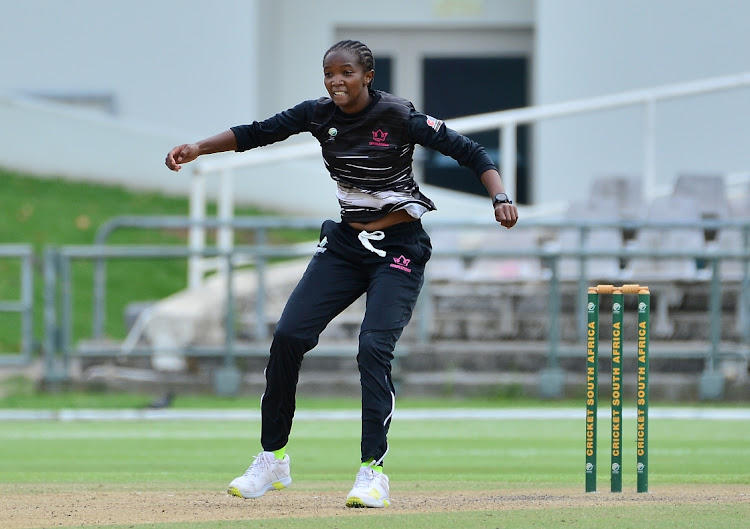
{"x": 54, "y": 211}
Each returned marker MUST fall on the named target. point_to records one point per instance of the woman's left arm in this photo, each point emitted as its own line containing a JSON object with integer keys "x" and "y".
{"x": 433, "y": 133}
{"x": 506, "y": 213}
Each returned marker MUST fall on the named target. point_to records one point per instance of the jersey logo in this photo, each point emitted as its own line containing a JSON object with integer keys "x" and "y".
{"x": 332, "y": 132}
{"x": 378, "y": 138}
{"x": 434, "y": 123}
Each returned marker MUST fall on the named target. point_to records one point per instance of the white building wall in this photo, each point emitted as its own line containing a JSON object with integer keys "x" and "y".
{"x": 183, "y": 65}
{"x": 181, "y": 70}
{"x": 304, "y": 30}
{"x": 588, "y": 48}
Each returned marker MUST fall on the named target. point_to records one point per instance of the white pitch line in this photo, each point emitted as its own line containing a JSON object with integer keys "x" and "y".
{"x": 444, "y": 414}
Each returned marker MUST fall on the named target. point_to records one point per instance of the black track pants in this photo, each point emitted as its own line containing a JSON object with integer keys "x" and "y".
{"x": 343, "y": 269}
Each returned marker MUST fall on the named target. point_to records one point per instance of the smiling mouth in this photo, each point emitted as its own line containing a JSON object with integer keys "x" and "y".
{"x": 339, "y": 93}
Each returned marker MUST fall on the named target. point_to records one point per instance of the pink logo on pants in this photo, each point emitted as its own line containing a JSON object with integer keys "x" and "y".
{"x": 402, "y": 263}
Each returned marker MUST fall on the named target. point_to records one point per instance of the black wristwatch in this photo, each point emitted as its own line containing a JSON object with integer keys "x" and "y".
{"x": 501, "y": 198}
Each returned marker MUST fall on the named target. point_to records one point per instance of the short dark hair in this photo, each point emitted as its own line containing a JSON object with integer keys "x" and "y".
{"x": 360, "y": 50}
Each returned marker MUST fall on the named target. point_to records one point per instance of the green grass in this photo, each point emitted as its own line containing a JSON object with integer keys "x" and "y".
{"x": 511, "y": 457}
{"x": 54, "y": 212}
{"x": 20, "y": 392}
{"x": 648, "y": 517}
{"x": 436, "y": 455}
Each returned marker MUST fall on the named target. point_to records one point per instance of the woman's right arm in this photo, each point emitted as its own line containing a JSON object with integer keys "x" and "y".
{"x": 244, "y": 137}
{"x": 224, "y": 141}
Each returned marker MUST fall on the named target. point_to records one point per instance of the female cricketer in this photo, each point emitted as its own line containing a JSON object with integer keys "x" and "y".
{"x": 378, "y": 248}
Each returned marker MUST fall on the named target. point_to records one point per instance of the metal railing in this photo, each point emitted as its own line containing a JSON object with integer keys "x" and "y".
{"x": 60, "y": 348}
{"x": 24, "y": 305}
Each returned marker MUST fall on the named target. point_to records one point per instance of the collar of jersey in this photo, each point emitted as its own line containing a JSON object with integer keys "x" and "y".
{"x": 374, "y": 98}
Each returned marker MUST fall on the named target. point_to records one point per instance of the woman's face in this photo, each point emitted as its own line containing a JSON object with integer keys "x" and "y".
{"x": 346, "y": 81}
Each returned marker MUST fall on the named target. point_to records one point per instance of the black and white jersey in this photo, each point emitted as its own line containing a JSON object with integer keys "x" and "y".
{"x": 369, "y": 154}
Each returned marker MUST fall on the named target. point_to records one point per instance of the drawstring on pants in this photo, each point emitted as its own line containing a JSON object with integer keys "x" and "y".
{"x": 366, "y": 236}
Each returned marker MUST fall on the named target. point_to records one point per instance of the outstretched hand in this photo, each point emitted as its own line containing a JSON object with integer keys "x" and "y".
{"x": 506, "y": 215}
{"x": 181, "y": 154}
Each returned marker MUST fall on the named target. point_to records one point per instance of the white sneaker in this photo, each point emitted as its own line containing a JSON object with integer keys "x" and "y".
{"x": 370, "y": 489}
{"x": 266, "y": 473}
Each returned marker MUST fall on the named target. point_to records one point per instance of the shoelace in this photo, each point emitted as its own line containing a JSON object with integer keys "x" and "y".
{"x": 259, "y": 465}
{"x": 366, "y": 236}
{"x": 364, "y": 477}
